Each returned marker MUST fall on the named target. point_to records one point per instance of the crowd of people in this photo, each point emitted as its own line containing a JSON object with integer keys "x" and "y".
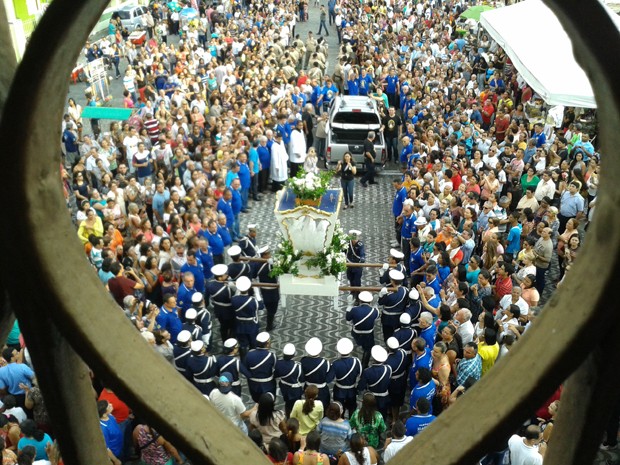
{"x": 491, "y": 196}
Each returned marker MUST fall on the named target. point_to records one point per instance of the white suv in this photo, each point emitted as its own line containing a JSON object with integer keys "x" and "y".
{"x": 350, "y": 120}
{"x": 132, "y": 16}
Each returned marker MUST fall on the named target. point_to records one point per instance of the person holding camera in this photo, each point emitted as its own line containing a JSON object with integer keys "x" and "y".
{"x": 347, "y": 170}
{"x": 125, "y": 282}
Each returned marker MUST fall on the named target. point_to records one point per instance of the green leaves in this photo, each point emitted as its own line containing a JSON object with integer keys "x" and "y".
{"x": 310, "y": 186}
{"x": 285, "y": 259}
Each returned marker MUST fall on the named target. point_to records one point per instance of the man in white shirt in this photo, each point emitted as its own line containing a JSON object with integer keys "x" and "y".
{"x": 397, "y": 442}
{"x": 529, "y": 449}
{"x": 297, "y": 148}
{"x": 513, "y": 299}
{"x": 131, "y": 146}
{"x": 545, "y": 187}
{"x": 229, "y": 403}
{"x": 465, "y": 328}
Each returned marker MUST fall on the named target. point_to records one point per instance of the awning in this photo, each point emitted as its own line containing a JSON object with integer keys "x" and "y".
{"x": 120, "y": 114}
{"x": 541, "y": 51}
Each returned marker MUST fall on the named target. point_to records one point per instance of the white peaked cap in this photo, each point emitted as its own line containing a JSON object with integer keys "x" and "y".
{"x": 197, "y": 346}
{"x": 314, "y": 346}
{"x": 289, "y": 349}
{"x": 344, "y": 346}
{"x": 396, "y": 275}
{"x": 234, "y": 251}
{"x": 184, "y": 336}
{"x": 243, "y": 283}
{"x": 397, "y": 254}
{"x": 219, "y": 270}
{"x": 379, "y": 354}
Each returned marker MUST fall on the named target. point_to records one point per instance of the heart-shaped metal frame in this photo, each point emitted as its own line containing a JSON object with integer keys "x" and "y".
{"x": 64, "y": 311}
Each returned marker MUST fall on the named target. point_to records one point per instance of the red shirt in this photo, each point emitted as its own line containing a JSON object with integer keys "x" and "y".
{"x": 456, "y": 181}
{"x": 501, "y": 125}
{"x": 543, "y": 412}
{"x": 121, "y": 411}
{"x": 487, "y": 111}
{"x": 120, "y": 287}
{"x": 503, "y": 287}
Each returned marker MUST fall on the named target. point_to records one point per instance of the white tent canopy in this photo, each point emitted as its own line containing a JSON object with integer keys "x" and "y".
{"x": 541, "y": 51}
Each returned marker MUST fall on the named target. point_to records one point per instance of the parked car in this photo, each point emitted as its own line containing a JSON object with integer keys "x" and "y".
{"x": 350, "y": 120}
{"x": 131, "y": 16}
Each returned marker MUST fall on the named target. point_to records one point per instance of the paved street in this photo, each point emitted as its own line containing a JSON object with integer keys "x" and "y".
{"x": 305, "y": 317}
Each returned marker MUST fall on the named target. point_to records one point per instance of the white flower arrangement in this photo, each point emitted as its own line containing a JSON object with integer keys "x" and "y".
{"x": 309, "y": 186}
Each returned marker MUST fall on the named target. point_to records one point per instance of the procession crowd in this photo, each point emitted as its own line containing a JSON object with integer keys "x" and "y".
{"x": 491, "y": 196}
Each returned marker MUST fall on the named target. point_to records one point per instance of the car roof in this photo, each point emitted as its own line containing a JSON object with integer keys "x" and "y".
{"x": 128, "y": 7}
{"x": 357, "y": 102}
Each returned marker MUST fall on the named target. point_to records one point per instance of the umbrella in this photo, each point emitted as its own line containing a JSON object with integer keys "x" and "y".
{"x": 475, "y": 11}
{"x": 188, "y": 13}
{"x": 173, "y": 6}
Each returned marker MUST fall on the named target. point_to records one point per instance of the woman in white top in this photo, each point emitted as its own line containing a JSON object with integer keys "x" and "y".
{"x": 360, "y": 453}
{"x": 75, "y": 111}
{"x": 266, "y": 418}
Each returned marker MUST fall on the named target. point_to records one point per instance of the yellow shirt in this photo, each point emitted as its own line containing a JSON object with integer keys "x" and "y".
{"x": 307, "y": 423}
{"x": 488, "y": 354}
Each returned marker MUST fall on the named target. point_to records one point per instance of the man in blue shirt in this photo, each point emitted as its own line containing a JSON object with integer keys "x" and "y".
{"x": 416, "y": 254}
{"x": 427, "y": 328}
{"x": 224, "y": 205}
{"x": 215, "y": 241}
{"x": 328, "y": 92}
{"x": 223, "y": 230}
{"x": 353, "y": 83}
{"x": 572, "y": 205}
{"x": 254, "y": 162}
{"x": 539, "y": 135}
{"x": 69, "y": 137}
{"x": 195, "y": 266}
{"x": 406, "y": 231}
{"x": 416, "y": 423}
{"x": 204, "y": 254}
{"x": 476, "y": 116}
{"x": 159, "y": 198}
{"x": 391, "y": 86}
{"x": 282, "y": 127}
{"x": 397, "y": 207}
{"x": 425, "y": 388}
{"x": 236, "y": 203}
{"x": 245, "y": 176}
{"x": 514, "y": 235}
{"x": 264, "y": 157}
{"x": 365, "y": 82}
{"x": 14, "y": 374}
{"x": 168, "y": 318}
{"x": 406, "y": 152}
{"x": 233, "y": 173}
{"x": 111, "y": 430}
{"x": 421, "y": 359}
{"x": 187, "y": 288}
{"x": 431, "y": 279}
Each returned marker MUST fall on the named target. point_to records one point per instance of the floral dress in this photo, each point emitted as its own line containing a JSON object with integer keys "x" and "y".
{"x": 151, "y": 452}
{"x": 371, "y": 431}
